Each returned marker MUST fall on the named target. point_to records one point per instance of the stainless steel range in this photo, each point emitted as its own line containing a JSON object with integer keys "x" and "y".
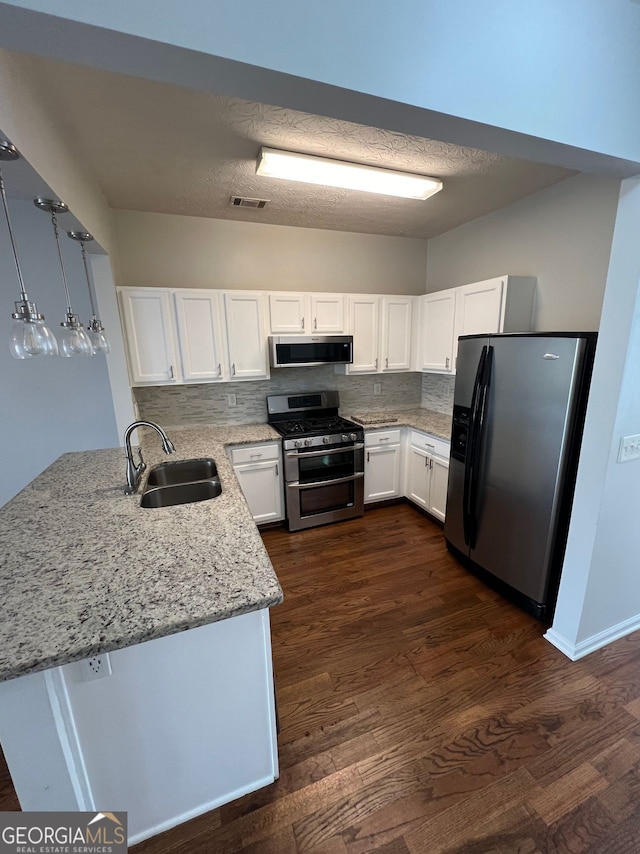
{"x": 323, "y": 458}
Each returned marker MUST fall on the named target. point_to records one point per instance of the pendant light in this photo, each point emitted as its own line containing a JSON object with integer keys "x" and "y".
{"x": 74, "y": 341}
{"x": 99, "y": 340}
{"x": 29, "y": 335}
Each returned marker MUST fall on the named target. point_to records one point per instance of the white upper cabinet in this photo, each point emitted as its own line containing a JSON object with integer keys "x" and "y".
{"x": 395, "y": 349}
{"x": 479, "y": 307}
{"x": 246, "y": 339}
{"x": 503, "y": 304}
{"x": 437, "y": 320}
{"x": 150, "y": 335}
{"x": 297, "y": 313}
{"x": 200, "y": 335}
{"x": 327, "y": 313}
{"x": 363, "y": 325}
{"x": 287, "y": 313}
{"x": 381, "y": 329}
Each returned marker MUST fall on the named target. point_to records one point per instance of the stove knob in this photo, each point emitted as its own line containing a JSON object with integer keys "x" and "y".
{"x": 326, "y": 440}
{"x": 344, "y": 437}
{"x": 353, "y": 436}
{"x": 308, "y": 442}
{"x": 297, "y": 443}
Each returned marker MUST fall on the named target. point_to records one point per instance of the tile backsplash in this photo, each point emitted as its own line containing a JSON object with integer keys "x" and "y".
{"x": 207, "y": 403}
{"x": 437, "y": 392}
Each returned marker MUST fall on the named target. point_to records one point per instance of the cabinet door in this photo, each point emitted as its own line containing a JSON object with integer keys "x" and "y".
{"x": 246, "y": 340}
{"x": 438, "y": 487}
{"x": 382, "y": 473}
{"x": 417, "y": 476}
{"x": 363, "y": 323}
{"x": 396, "y": 333}
{"x": 149, "y": 328}
{"x": 200, "y": 335}
{"x": 327, "y": 313}
{"x": 437, "y": 319}
{"x": 287, "y": 313}
{"x": 478, "y": 307}
{"x": 261, "y": 485}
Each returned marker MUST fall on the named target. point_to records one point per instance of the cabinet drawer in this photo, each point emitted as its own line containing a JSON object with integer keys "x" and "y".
{"x": 255, "y": 453}
{"x": 430, "y": 444}
{"x": 382, "y": 437}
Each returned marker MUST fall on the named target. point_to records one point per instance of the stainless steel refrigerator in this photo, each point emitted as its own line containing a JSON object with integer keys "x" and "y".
{"x": 518, "y": 411}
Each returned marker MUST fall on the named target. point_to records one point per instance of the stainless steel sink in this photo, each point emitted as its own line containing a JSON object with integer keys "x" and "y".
{"x": 181, "y": 493}
{"x": 182, "y": 471}
{"x": 182, "y": 482}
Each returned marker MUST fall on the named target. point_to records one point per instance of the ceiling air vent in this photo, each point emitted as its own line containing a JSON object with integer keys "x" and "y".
{"x": 241, "y": 202}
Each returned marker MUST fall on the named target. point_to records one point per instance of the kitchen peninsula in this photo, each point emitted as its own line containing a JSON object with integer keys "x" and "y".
{"x": 185, "y": 717}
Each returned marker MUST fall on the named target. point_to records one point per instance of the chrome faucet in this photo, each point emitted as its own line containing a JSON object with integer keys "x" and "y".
{"x": 134, "y": 472}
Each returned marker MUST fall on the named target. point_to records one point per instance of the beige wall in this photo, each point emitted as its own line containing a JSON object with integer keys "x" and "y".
{"x": 164, "y": 250}
{"x": 562, "y": 235}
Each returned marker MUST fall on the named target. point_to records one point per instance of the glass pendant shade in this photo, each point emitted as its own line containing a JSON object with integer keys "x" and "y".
{"x": 99, "y": 340}
{"x": 31, "y": 338}
{"x": 74, "y": 340}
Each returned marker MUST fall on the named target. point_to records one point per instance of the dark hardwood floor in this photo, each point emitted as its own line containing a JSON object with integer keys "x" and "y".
{"x": 421, "y": 712}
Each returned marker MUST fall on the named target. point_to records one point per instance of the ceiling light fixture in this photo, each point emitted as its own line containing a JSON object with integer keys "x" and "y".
{"x": 350, "y": 176}
{"x": 29, "y": 335}
{"x": 99, "y": 340}
{"x": 74, "y": 341}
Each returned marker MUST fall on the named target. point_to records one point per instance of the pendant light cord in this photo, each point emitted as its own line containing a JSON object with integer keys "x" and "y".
{"x": 23, "y": 292}
{"x": 54, "y": 220}
{"x": 86, "y": 270}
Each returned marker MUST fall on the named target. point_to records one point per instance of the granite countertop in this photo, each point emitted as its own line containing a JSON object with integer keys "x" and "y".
{"x": 426, "y": 420}
{"x": 85, "y": 570}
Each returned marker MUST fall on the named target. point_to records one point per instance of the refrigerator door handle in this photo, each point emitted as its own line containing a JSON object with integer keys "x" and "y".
{"x": 470, "y": 453}
{"x": 478, "y": 415}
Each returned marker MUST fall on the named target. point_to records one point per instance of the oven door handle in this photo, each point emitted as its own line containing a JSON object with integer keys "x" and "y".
{"x": 343, "y": 450}
{"x": 318, "y": 483}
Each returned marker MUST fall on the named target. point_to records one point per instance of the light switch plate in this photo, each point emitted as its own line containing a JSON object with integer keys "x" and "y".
{"x": 629, "y": 448}
{"x": 231, "y": 400}
{"x": 377, "y": 388}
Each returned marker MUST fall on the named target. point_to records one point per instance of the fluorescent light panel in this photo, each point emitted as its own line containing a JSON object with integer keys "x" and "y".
{"x": 350, "y": 176}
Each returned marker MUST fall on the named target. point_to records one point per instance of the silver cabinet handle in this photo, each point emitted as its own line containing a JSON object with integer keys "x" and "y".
{"x": 446, "y": 362}
{"x": 384, "y": 438}
{"x": 255, "y": 455}
{"x": 316, "y": 484}
{"x": 302, "y": 322}
{"x": 171, "y": 371}
{"x": 233, "y": 369}
{"x": 426, "y": 461}
{"x": 219, "y": 369}
{"x": 342, "y": 450}
{"x": 368, "y": 456}
{"x": 431, "y": 463}
{"x": 277, "y": 470}
{"x": 315, "y": 322}
{"x": 386, "y": 362}
{"x": 376, "y": 363}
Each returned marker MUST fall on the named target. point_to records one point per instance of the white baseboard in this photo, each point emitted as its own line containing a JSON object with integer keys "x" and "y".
{"x": 597, "y": 641}
{"x": 200, "y": 810}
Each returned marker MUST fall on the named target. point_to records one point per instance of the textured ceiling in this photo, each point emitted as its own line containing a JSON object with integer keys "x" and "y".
{"x": 154, "y": 147}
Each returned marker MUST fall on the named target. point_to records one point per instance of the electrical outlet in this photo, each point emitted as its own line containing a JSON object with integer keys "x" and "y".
{"x": 97, "y": 667}
{"x": 377, "y": 388}
{"x": 629, "y": 448}
{"x": 231, "y": 400}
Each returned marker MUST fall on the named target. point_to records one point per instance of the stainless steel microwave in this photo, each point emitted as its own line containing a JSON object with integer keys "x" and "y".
{"x": 301, "y": 351}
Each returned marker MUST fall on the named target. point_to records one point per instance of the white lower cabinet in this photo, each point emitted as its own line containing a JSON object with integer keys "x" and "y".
{"x": 382, "y": 465}
{"x": 427, "y": 473}
{"x": 259, "y": 472}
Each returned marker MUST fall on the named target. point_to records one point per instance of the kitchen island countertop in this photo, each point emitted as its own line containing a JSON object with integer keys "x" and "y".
{"x": 85, "y": 570}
